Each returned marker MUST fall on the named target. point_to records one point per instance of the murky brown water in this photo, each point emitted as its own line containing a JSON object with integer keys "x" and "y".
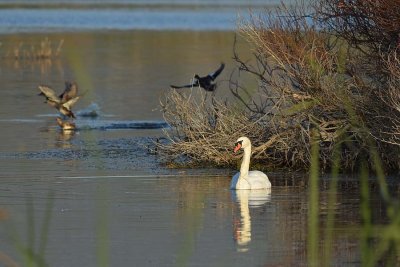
{"x": 125, "y": 73}
{"x": 175, "y": 220}
{"x": 112, "y": 201}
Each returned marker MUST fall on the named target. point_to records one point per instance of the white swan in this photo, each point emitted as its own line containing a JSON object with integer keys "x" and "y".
{"x": 246, "y": 179}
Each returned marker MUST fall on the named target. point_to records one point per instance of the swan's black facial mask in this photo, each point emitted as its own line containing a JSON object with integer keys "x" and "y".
{"x": 238, "y": 145}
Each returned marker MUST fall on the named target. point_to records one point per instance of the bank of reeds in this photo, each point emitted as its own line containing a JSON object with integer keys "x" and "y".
{"x": 308, "y": 75}
{"x": 202, "y": 128}
{"x": 44, "y": 50}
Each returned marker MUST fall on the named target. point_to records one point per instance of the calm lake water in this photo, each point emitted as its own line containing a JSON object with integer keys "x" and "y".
{"x": 126, "y": 15}
{"x": 98, "y": 195}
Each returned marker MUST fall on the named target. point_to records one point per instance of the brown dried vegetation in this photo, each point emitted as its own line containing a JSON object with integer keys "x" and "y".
{"x": 45, "y": 50}
{"x": 202, "y": 128}
{"x": 331, "y": 67}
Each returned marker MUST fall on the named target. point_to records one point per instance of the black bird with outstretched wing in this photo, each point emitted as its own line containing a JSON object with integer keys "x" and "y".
{"x": 206, "y": 82}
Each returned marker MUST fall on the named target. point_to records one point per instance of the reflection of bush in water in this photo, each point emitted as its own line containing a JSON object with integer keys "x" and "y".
{"x": 42, "y": 56}
{"x": 3, "y": 214}
{"x": 45, "y": 50}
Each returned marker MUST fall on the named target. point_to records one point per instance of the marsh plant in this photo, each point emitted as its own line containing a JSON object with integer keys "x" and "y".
{"x": 198, "y": 122}
{"x": 31, "y": 244}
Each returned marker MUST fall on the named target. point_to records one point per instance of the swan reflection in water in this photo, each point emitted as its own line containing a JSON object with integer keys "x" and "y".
{"x": 247, "y": 199}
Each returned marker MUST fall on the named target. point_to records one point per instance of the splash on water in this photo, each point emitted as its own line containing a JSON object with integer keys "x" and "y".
{"x": 91, "y": 111}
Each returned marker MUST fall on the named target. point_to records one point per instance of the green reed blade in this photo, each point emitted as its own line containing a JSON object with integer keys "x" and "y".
{"x": 313, "y": 202}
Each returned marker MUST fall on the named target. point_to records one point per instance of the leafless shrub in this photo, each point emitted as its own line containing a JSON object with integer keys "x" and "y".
{"x": 203, "y": 129}
{"x": 303, "y": 84}
{"x": 370, "y": 26}
{"x": 372, "y": 31}
{"x": 308, "y": 78}
{"x": 390, "y": 131}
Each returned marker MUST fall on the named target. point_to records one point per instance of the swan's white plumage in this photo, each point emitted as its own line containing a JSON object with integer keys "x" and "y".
{"x": 254, "y": 180}
{"x": 246, "y": 179}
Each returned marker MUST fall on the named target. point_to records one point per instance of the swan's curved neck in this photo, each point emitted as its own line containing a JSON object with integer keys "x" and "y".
{"x": 244, "y": 168}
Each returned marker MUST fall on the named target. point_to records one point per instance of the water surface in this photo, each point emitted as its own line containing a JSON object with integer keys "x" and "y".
{"x": 54, "y": 16}
{"x": 173, "y": 220}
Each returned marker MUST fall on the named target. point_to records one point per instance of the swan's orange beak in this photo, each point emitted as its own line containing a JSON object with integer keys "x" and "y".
{"x": 237, "y": 147}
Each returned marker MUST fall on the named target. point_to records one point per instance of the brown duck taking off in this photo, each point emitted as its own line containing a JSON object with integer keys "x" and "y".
{"x": 65, "y": 101}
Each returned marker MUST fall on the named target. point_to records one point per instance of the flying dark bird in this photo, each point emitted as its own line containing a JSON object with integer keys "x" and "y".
{"x": 206, "y": 82}
{"x": 64, "y": 107}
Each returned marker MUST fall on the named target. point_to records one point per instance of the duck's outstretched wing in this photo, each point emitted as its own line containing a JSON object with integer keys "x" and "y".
{"x": 48, "y": 93}
{"x": 70, "y": 91}
{"x": 70, "y": 103}
{"x": 217, "y": 72}
{"x": 185, "y": 86}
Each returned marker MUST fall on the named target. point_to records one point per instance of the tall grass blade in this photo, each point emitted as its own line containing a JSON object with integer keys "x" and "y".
{"x": 102, "y": 238}
{"x": 28, "y": 251}
{"x": 313, "y": 203}
{"x": 366, "y": 230}
{"x": 332, "y": 198}
{"x": 46, "y": 225}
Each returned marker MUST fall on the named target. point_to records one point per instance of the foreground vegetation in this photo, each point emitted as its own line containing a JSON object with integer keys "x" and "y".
{"x": 331, "y": 66}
